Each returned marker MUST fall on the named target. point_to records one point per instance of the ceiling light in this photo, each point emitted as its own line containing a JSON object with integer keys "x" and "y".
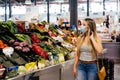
{"x": 28, "y": 2}
{"x": 60, "y": 0}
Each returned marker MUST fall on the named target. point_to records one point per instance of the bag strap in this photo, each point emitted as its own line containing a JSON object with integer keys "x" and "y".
{"x": 97, "y": 56}
{"x": 97, "y": 63}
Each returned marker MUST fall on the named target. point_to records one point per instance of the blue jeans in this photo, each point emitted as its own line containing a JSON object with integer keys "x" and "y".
{"x": 87, "y": 71}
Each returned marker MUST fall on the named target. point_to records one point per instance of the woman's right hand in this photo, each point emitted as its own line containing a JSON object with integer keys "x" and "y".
{"x": 74, "y": 72}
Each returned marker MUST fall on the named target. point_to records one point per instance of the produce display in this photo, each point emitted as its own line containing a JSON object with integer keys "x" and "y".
{"x": 23, "y": 50}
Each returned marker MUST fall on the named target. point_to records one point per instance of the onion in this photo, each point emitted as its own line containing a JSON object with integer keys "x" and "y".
{"x": 11, "y": 41}
{"x": 18, "y": 48}
{"x": 24, "y": 43}
{"x": 16, "y": 43}
{"x": 25, "y": 49}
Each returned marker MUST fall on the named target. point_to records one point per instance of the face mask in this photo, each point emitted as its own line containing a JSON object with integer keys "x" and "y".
{"x": 82, "y": 29}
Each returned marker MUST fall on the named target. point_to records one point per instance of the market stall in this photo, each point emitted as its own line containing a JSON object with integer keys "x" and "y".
{"x": 28, "y": 49}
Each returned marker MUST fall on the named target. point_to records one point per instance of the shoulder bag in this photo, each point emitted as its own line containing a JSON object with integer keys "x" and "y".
{"x": 101, "y": 71}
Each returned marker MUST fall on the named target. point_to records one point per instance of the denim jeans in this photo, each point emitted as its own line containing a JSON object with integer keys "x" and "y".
{"x": 87, "y": 71}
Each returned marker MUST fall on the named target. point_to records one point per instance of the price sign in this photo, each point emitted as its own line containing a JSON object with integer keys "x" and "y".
{"x": 27, "y": 25}
{"x": 46, "y": 27}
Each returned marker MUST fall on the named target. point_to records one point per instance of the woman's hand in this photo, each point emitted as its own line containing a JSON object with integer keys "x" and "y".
{"x": 96, "y": 43}
{"x": 91, "y": 35}
{"x": 74, "y": 72}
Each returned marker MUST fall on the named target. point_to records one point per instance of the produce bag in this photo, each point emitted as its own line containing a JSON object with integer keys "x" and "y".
{"x": 61, "y": 57}
{"x": 31, "y": 66}
{"x": 15, "y": 58}
{"x": 22, "y": 69}
{"x": 12, "y": 71}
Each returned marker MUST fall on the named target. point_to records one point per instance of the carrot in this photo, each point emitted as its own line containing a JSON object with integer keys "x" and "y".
{"x": 1, "y": 42}
{"x": 5, "y": 45}
{"x": 2, "y": 45}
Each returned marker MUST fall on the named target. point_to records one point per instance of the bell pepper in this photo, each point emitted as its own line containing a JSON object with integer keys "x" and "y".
{"x": 34, "y": 38}
{"x": 51, "y": 33}
{"x": 38, "y": 50}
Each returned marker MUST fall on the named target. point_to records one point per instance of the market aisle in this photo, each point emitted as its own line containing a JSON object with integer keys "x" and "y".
{"x": 117, "y": 72}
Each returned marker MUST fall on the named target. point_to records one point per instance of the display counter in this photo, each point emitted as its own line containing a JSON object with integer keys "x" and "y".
{"x": 113, "y": 50}
{"x": 66, "y": 70}
{"x": 48, "y": 73}
{"x": 56, "y": 72}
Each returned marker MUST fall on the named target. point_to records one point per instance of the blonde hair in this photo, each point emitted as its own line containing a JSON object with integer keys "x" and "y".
{"x": 92, "y": 26}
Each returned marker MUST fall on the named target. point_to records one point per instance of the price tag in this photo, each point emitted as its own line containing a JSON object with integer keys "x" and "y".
{"x": 27, "y": 25}
{"x": 46, "y": 27}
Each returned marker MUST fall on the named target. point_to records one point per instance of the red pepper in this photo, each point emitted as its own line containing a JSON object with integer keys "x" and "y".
{"x": 38, "y": 50}
{"x": 21, "y": 27}
{"x": 44, "y": 54}
{"x": 51, "y": 33}
{"x": 42, "y": 27}
{"x": 34, "y": 38}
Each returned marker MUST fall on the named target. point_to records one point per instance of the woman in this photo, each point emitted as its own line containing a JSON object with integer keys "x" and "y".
{"x": 89, "y": 45}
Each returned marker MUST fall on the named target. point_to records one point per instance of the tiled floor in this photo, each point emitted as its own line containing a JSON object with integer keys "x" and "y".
{"x": 117, "y": 72}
